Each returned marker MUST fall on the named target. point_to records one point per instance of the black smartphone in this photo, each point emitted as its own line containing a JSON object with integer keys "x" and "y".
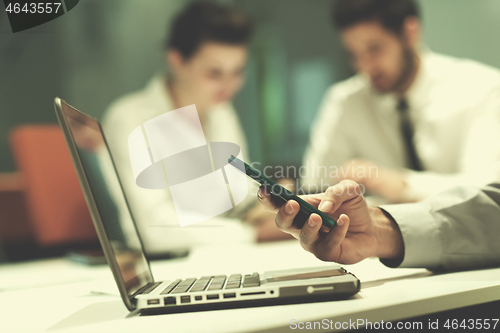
{"x": 281, "y": 195}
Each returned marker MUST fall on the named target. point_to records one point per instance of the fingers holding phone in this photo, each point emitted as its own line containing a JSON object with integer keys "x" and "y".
{"x": 351, "y": 240}
{"x": 285, "y": 212}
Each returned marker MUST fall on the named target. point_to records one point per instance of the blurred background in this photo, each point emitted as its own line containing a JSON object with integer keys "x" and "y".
{"x": 104, "y": 49}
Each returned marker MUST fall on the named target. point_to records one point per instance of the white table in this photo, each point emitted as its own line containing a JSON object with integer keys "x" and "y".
{"x": 59, "y": 296}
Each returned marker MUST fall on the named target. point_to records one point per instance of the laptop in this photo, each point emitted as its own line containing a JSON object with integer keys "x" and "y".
{"x": 124, "y": 252}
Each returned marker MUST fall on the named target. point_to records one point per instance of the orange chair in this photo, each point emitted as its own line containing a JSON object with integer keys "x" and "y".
{"x": 15, "y": 226}
{"x": 55, "y": 201}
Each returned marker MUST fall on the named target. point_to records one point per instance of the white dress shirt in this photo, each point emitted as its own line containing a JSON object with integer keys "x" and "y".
{"x": 153, "y": 209}
{"x": 454, "y": 105}
{"x": 453, "y": 230}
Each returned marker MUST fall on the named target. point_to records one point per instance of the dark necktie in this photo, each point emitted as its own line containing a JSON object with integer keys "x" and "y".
{"x": 407, "y": 134}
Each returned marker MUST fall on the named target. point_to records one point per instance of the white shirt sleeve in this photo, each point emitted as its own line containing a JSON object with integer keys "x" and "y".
{"x": 456, "y": 229}
{"x": 479, "y": 161}
{"x": 328, "y": 146}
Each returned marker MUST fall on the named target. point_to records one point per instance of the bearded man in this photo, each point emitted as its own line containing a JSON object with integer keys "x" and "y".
{"x": 410, "y": 123}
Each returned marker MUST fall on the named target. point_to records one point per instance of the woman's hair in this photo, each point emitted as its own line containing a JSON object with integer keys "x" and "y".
{"x": 205, "y": 21}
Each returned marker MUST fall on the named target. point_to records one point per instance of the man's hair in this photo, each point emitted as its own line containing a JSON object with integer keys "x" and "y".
{"x": 205, "y": 21}
{"x": 390, "y": 13}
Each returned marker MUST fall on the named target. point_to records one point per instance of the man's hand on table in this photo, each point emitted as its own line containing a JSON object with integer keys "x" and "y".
{"x": 386, "y": 183}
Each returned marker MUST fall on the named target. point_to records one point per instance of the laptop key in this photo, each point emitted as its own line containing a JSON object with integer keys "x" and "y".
{"x": 184, "y": 286}
{"x": 251, "y": 280}
{"x": 200, "y": 285}
{"x": 170, "y": 287}
{"x": 215, "y": 286}
{"x": 232, "y": 286}
{"x": 234, "y": 281}
{"x": 217, "y": 282}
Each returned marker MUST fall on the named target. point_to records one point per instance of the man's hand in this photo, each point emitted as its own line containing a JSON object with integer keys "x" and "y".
{"x": 361, "y": 231}
{"x": 387, "y": 183}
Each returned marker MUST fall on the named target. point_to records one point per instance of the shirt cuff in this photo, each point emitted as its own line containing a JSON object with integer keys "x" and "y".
{"x": 420, "y": 231}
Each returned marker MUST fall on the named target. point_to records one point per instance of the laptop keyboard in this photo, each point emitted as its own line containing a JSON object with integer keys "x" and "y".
{"x": 217, "y": 282}
{"x": 170, "y": 287}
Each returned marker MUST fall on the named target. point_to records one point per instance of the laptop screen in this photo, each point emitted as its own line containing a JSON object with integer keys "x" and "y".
{"x": 106, "y": 198}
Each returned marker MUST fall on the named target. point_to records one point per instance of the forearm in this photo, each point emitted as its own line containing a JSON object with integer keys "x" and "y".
{"x": 456, "y": 229}
{"x": 423, "y": 184}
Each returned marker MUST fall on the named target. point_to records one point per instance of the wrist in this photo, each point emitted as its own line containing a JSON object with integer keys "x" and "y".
{"x": 390, "y": 243}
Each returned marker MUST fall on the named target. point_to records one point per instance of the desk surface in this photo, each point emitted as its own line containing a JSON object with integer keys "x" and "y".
{"x": 60, "y": 296}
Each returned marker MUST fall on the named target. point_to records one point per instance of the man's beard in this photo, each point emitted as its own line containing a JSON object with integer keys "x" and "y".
{"x": 409, "y": 64}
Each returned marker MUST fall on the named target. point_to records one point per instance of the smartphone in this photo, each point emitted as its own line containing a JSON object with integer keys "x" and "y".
{"x": 281, "y": 195}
